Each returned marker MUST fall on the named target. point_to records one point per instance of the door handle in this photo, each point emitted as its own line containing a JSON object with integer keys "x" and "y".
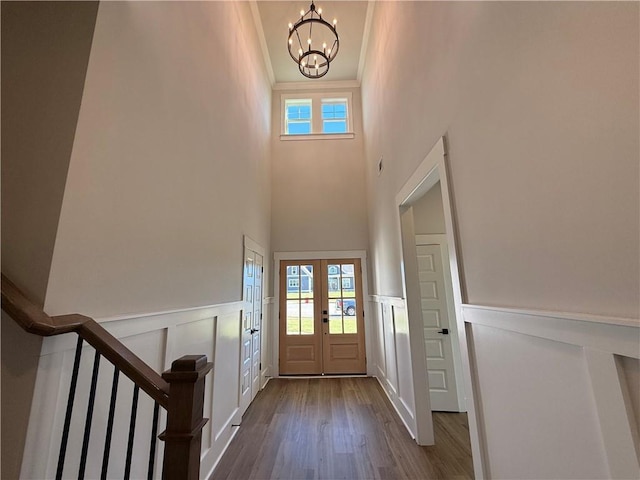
{"x": 444, "y": 331}
{"x": 254, "y": 330}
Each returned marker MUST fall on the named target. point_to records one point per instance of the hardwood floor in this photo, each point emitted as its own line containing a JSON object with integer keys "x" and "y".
{"x": 339, "y": 428}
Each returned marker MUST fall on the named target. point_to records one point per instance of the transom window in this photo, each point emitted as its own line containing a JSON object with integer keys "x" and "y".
{"x": 315, "y": 116}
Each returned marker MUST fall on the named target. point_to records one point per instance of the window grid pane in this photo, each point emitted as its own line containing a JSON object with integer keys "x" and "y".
{"x": 298, "y": 116}
{"x": 334, "y": 116}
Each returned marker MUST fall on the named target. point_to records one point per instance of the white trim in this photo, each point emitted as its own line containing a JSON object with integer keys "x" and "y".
{"x": 316, "y": 86}
{"x": 321, "y": 255}
{"x": 431, "y": 170}
{"x": 572, "y": 329}
{"x": 235, "y": 431}
{"x": 178, "y": 311}
{"x": 581, "y": 317}
{"x": 257, "y": 20}
{"x": 253, "y": 245}
{"x": 319, "y": 136}
{"x": 617, "y": 423}
{"x": 365, "y": 39}
{"x": 128, "y": 325}
{"x": 395, "y": 301}
{"x": 395, "y": 407}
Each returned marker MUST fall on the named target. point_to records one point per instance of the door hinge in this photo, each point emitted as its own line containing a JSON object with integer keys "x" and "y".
{"x": 260, "y": 367}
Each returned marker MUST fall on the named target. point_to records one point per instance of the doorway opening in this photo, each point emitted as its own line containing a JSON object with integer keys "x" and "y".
{"x": 434, "y": 297}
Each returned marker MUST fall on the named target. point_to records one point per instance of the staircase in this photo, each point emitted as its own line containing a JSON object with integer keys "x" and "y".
{"x": 179, "y": 391}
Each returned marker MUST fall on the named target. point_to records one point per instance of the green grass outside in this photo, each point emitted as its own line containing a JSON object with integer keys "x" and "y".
{"x": 306, "y": 324}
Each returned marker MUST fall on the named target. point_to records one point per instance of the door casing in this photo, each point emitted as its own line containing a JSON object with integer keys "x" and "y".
{"x": 432, "y": 169}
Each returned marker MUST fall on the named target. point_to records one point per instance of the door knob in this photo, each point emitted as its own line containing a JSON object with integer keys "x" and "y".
{"x": 444, "y": 331}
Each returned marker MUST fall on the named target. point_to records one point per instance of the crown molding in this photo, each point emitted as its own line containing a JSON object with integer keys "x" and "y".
{"x": 365, "y": 38}
{"x": 257, "y": 20}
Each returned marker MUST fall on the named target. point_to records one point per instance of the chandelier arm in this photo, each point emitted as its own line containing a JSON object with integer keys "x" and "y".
{"x": 334, "y": 48}
{"x": 299, "y": 41}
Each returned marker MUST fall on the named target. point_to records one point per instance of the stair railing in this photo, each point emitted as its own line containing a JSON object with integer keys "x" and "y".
{"x": 180, "y": 390}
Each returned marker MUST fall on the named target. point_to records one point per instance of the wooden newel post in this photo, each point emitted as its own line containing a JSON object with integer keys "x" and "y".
{"x": 183, "y": 436}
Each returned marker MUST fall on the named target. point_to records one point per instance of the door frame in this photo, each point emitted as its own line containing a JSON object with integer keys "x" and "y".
{"x": 320, "y": 255}
{"x": 432, "y": 169}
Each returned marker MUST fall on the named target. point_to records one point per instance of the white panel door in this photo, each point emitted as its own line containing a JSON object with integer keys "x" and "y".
{"x": 256, "y": 330}
{"x": 246, "y": 348}
{"x": 437, "y": 330}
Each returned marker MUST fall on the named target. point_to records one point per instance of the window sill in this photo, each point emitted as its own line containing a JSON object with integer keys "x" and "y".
{"x": 319, "y": 136}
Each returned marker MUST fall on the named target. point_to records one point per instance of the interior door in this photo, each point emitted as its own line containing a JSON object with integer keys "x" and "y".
{"x": 250, "y": 354}
{"x": 321, "y": 317}
{"x": 437, "y": 330}
{"x": 256, "y": 331}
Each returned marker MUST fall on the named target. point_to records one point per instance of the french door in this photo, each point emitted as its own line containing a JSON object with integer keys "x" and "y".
{"x": 321, "y": 317}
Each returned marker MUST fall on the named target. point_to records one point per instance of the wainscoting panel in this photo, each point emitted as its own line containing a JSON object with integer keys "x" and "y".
{"x": 393, "y": 356}
{"x": 554, "y": 393}
{"x": 158, "y": 339}
{"x": 226, "y": 388}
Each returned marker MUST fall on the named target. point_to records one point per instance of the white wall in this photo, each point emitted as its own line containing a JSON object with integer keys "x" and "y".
{"x": 318, "y": 189}
{"x": 539, "y": 105}
{"x": 428, "y": 215}
{"x": 170, "y": 164}
{"x": 170, "y": 167}
{"x": 539, "y": 102}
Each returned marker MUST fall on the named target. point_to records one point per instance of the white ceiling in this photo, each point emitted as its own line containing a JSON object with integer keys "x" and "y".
{"x": 272, "y": 19}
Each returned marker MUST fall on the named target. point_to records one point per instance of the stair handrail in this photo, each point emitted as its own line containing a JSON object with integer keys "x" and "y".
{"x": 34, "y": 320}
{"x": 179, "y": 390}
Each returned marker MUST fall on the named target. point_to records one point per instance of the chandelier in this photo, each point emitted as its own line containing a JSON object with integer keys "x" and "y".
{"x": 313, "y": 54}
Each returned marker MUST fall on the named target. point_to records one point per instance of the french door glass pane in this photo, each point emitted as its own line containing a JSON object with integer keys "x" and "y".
{"x": 300, "y": 300}
{"x": 293, "y": 317}
{"x": 341, "y": 287}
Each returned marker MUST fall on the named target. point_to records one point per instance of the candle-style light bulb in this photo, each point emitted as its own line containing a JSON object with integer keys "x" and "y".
{"x": 335, "y": 22}
{"x": 290, "y": 25}
{"x": 309, "y": 41}
{"x": 304, "y": 63}
{"x": 299, "y": 52}
{"x": 301, "y": 13}
{"x": 319, "y": 11}
{"x": 329, "y": 52}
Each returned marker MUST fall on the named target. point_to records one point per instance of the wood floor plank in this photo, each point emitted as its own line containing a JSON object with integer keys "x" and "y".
{"x": 339, "y": 428}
